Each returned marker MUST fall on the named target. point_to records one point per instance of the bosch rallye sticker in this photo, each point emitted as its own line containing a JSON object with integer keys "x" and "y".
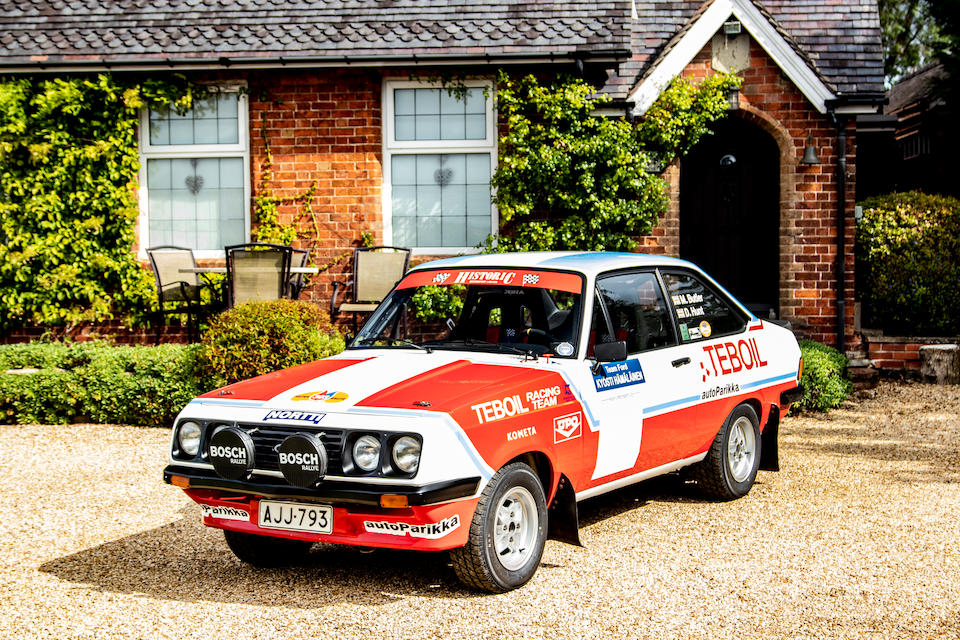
{"x": 619, "y": 374}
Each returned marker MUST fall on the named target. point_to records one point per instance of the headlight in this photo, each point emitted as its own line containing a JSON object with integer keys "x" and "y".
{"x": 189, "y": 438}
{"x": 366, "y": 453}
{"x": 406, "y": 454}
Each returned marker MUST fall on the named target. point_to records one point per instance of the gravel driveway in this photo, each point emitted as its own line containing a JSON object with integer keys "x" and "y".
{"x": 856, "y": 537}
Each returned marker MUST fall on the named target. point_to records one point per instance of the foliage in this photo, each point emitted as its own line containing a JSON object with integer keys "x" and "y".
{"x": 98, "y": 382}
{"x": 824, "y": 381}
{"x": 259, "y": 337}
{"x": 438, "y": 302}
{"x": 907, "y": 266}
{"x": 682, "y": 114}
{"x": 68, "y": 164}
{"x": 567, "y": 179}
{"x": 910, "y": 35}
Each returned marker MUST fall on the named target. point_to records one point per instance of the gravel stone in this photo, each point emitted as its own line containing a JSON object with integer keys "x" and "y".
{"x": 854, "y": 538}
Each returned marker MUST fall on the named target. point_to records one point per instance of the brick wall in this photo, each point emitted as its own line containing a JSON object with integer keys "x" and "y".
{"x": 808, "y": 197}
{"x": 115, "y": 331}
{"x": 323, "y": 127}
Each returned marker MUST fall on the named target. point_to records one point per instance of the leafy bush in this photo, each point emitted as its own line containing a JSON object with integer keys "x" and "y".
{"x": 98, "y": 382}
{"x": 259, "y": 337}
{"x": 824, "y": 381}
{"x": 907, "y": 263}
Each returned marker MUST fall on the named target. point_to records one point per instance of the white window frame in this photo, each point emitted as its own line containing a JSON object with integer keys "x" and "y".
{"x": 391, "y": 146}
{"x": 170, "y": 151}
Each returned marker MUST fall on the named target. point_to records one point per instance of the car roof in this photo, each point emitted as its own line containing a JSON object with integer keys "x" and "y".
{"x": 586, "y": 262}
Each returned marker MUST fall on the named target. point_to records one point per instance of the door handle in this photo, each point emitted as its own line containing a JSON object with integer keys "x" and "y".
{"x": 680, "y": 362}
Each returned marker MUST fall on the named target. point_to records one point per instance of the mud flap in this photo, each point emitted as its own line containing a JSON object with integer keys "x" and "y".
{"x": 769, "y": 451}
{"x": 564, "y": 521}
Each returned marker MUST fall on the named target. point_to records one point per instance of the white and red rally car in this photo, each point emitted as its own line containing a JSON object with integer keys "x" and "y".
{"x": 554, "y": 378}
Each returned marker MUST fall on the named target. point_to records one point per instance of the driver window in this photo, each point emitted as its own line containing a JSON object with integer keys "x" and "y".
{"x": 638, "y": 312}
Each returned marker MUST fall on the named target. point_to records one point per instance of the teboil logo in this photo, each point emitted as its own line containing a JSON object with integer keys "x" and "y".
{"x": 567, "y": 427}
{"x": 432, "y": 530}
{"x": 223, "y": 513}
{"x": 303, "y": 416}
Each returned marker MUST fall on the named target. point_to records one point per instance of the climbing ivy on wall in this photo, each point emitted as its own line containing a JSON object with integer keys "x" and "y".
{"x": 68, "y": 205}
{"x": 567, "y": 179}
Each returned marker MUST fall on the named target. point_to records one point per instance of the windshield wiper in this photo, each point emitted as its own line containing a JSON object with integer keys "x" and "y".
{"x": 470, "y": 342}
{"x": 403, "y": 341}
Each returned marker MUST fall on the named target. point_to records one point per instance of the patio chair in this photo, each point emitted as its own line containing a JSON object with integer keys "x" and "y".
{"x": 299, "y": 258}
{"x": 375, "y": 272}
{"x": 179, "y": 292}
{"x": 257, "y": 271}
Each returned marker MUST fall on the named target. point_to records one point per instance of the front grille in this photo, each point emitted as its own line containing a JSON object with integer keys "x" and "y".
{"x": 267, "y": 437}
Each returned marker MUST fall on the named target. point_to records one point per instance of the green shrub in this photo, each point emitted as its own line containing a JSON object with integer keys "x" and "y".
{"x": 142, "y": 385}
{"x": 99, "y": 382}
{"x": 259, "y": 337}
{"x": 908, "y": 263}
{"x": 825, "y": 385}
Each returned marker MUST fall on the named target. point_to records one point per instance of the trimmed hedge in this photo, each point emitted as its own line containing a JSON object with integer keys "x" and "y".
{"x": 259, "y": 337}
{"x": 825, "y": 385}
{"x": 908, "y": 263}
{"x": 98, "y": 382}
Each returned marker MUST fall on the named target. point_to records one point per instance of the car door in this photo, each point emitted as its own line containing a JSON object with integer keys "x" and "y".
{"x": 715, "y": 331}
{"x": 630, "y": 306}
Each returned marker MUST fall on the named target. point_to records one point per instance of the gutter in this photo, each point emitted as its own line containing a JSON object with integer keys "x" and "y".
{"x": 838, "y": 111}
{"x": 610, "y": 57}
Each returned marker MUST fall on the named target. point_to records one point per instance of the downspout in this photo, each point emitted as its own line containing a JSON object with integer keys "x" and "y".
{"x": 841, "y": 124}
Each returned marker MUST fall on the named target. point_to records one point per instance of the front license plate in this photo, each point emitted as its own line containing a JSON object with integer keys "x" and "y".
{"x": 296, "y": 516}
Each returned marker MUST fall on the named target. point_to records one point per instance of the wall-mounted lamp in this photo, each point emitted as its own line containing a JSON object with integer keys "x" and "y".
{"x": 810, "y": 152}
{"x": 733, "y": 99}
{"x": 732, "y": 27}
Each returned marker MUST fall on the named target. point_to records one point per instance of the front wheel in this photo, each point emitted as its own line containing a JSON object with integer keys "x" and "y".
{"x": 507, "y": 533}
{"x": 730, "y": 467}
{"x": 265, "y": 551}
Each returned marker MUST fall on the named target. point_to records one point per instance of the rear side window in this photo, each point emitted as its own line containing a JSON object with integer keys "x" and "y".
{"x": 700, "y": 310}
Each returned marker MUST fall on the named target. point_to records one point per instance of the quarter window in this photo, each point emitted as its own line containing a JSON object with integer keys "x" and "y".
{"x": 701, "y": 311}
{"x": 194, "y": 167}
{"x": 439, "y": 156}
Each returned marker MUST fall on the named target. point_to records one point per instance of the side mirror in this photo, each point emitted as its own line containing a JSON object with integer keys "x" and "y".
{"x": 610, "y": 351}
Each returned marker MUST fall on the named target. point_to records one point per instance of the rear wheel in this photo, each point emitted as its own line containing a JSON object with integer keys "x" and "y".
{"x": 507, "y": 533}
{"x": 265, "y": 551}
{"x": 730, "y": 467}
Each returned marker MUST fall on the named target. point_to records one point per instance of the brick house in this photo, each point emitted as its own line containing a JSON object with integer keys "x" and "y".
{"x": 335, "y": 92}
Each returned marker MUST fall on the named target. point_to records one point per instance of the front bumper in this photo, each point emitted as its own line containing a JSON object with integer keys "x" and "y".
{"x": 437, "y": 519}
{"x": 331, "y": 492}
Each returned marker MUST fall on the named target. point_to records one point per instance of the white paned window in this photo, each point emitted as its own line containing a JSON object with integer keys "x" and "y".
{"x": 194, "y": 176}
{"x": 439, "y": 154}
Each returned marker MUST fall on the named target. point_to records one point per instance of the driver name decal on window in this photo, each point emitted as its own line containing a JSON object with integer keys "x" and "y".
{"x": 506, "y": 277}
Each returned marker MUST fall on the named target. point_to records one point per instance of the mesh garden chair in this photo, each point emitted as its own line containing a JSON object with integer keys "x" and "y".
{"x": 375, "y": 271}
{"x": 257, "y": 271}
{"x": 295, "y": 284}
{"x": 178, "y": 292}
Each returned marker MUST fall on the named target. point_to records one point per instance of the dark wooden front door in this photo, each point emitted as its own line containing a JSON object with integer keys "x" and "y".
{"x": 730, "y": 212}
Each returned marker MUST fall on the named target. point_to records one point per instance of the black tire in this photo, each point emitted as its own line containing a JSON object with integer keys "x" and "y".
{"x": 730, "y": 467}
{"x": 501, "y": 563}
{"x": 265, "y": 551}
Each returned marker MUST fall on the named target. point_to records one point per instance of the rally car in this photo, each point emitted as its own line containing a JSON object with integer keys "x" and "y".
{"x": 548, "y": 379}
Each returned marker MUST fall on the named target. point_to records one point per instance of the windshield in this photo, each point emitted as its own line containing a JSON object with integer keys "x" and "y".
{"x": 532, "y": 312}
